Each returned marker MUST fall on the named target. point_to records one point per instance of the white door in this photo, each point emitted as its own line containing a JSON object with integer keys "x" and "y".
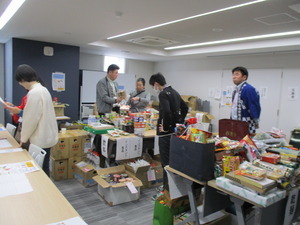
{"x": 289, "y": 116}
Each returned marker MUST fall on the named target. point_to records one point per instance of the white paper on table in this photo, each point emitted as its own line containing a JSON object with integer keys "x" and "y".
{"x": 156, "y": 147}
{"x": 14, "y": 184}
{"x": 18, "y": 168}
{"x": 4, "y": 143}
{"x": 135, "y": 147}
{"x": 73, "y": 221}
{"x": 176, "y": 185}
{"x": 104, "y": 145}
{"x": 11, "y": 150}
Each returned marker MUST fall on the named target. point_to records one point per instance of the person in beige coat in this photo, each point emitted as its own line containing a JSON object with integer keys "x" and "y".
{"x": 39, "y": 124}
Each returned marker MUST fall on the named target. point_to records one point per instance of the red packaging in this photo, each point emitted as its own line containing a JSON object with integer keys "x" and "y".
{"x": 270, "y": 158}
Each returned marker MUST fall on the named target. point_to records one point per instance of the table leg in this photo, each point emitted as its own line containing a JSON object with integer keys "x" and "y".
{"x": 111, "y": 146}
{"x": 194, "y": 217}
{"x": 238, "y": 203}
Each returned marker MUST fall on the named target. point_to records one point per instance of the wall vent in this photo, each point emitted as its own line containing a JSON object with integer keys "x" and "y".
{"x": 152, "y": 41}
{"x": 276, "y": 19}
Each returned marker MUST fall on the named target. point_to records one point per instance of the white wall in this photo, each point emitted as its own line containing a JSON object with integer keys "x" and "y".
{"x": 197, "y": 76}
{"x": 2, "y": 82}
{"x": 136, "y": 67}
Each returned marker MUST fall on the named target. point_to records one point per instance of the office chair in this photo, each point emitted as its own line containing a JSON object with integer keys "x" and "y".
{"x": 11, "y": 129}
{"x": 38, "y": 154}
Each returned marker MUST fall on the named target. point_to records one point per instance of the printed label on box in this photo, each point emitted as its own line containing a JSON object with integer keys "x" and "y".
{"x": 151, "y": 175}
{"x": 131, "y": 188}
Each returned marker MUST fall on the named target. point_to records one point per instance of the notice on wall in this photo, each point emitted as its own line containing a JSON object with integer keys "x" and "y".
{"x": 58, "y": 81}
{"x": 263, "y": 93}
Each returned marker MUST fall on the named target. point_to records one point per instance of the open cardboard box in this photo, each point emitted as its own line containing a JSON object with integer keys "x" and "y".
{"x": 206, "y": 117}
{"x": 84, "y": 173}
{"x": 115, "y": 194}
{"x": 141, "y": 172}
{"x": 190, "y": 100}
{"x": 59, "y": 109}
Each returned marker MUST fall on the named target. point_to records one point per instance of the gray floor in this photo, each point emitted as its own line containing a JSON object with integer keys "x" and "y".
{"x": 95, "y": 211}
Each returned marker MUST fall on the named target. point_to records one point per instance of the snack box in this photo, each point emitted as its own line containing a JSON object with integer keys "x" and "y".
{"x": 119, "y": 193}
{"x": 270, "y": 158}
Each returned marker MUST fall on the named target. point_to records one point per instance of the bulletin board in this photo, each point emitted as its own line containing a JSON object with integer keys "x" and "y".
{"x": 90, "y": 79}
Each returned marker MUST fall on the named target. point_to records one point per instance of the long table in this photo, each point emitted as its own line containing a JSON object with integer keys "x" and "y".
{"x": 44, "y": 205}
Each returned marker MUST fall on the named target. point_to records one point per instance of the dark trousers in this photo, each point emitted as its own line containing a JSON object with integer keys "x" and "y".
{"x": 46, "y": 162}
{"x": 164, "y": 150}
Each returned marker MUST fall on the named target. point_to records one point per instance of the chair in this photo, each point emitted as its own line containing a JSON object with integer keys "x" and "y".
{"x": 11, "y": 129}
{"x": 37, "y": 153}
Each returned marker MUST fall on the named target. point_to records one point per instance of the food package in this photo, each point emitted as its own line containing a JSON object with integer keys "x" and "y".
{"x": 270, "y": 158}
{"x": 248, "y": 170}
{"x": 252, "y": 150}
{"x": 274, "y": 172}
{"x": 230, "y": 163}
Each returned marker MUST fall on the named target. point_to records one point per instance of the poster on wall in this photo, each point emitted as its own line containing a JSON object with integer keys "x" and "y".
{"x": 58, "y": 81}
{"x": 263, "y": 93}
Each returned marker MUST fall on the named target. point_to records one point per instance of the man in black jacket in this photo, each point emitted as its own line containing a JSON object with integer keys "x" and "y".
{"x": 172, "y": 110}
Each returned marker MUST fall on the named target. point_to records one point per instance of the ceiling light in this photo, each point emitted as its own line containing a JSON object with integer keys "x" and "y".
{"x": 235, "y": 40}
{"x": 187, "y": 18}
{"x": 10, "y": 11}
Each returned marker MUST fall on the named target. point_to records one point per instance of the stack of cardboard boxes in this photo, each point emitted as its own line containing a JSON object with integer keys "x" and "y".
{"x": 69, "y": 150}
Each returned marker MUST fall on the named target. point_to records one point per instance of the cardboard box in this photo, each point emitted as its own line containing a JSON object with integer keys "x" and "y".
{"x": 141, "y": 172}
{"x": 86, "y": 144}
{"x": 59, "y": 109}
{"x": 58, "y": 169}
{"x": 84, "y": 173}
{"x": 206, "y": 117}
{"x": 157, "y": 171}
{"x": 61, "y": 149}
{"x": 75, "y": 146}
{"x": 191, "y": 101}
{"x": 72, "y": 126}
{"x": 115, "y": 194}
{"x": 71, "y": 165}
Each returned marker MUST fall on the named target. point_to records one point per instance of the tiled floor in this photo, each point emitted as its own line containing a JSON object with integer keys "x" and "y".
{"x": 95, "y": 211}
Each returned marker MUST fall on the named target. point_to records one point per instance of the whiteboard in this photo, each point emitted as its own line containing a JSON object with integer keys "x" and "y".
{"x": 90, "y": 79}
